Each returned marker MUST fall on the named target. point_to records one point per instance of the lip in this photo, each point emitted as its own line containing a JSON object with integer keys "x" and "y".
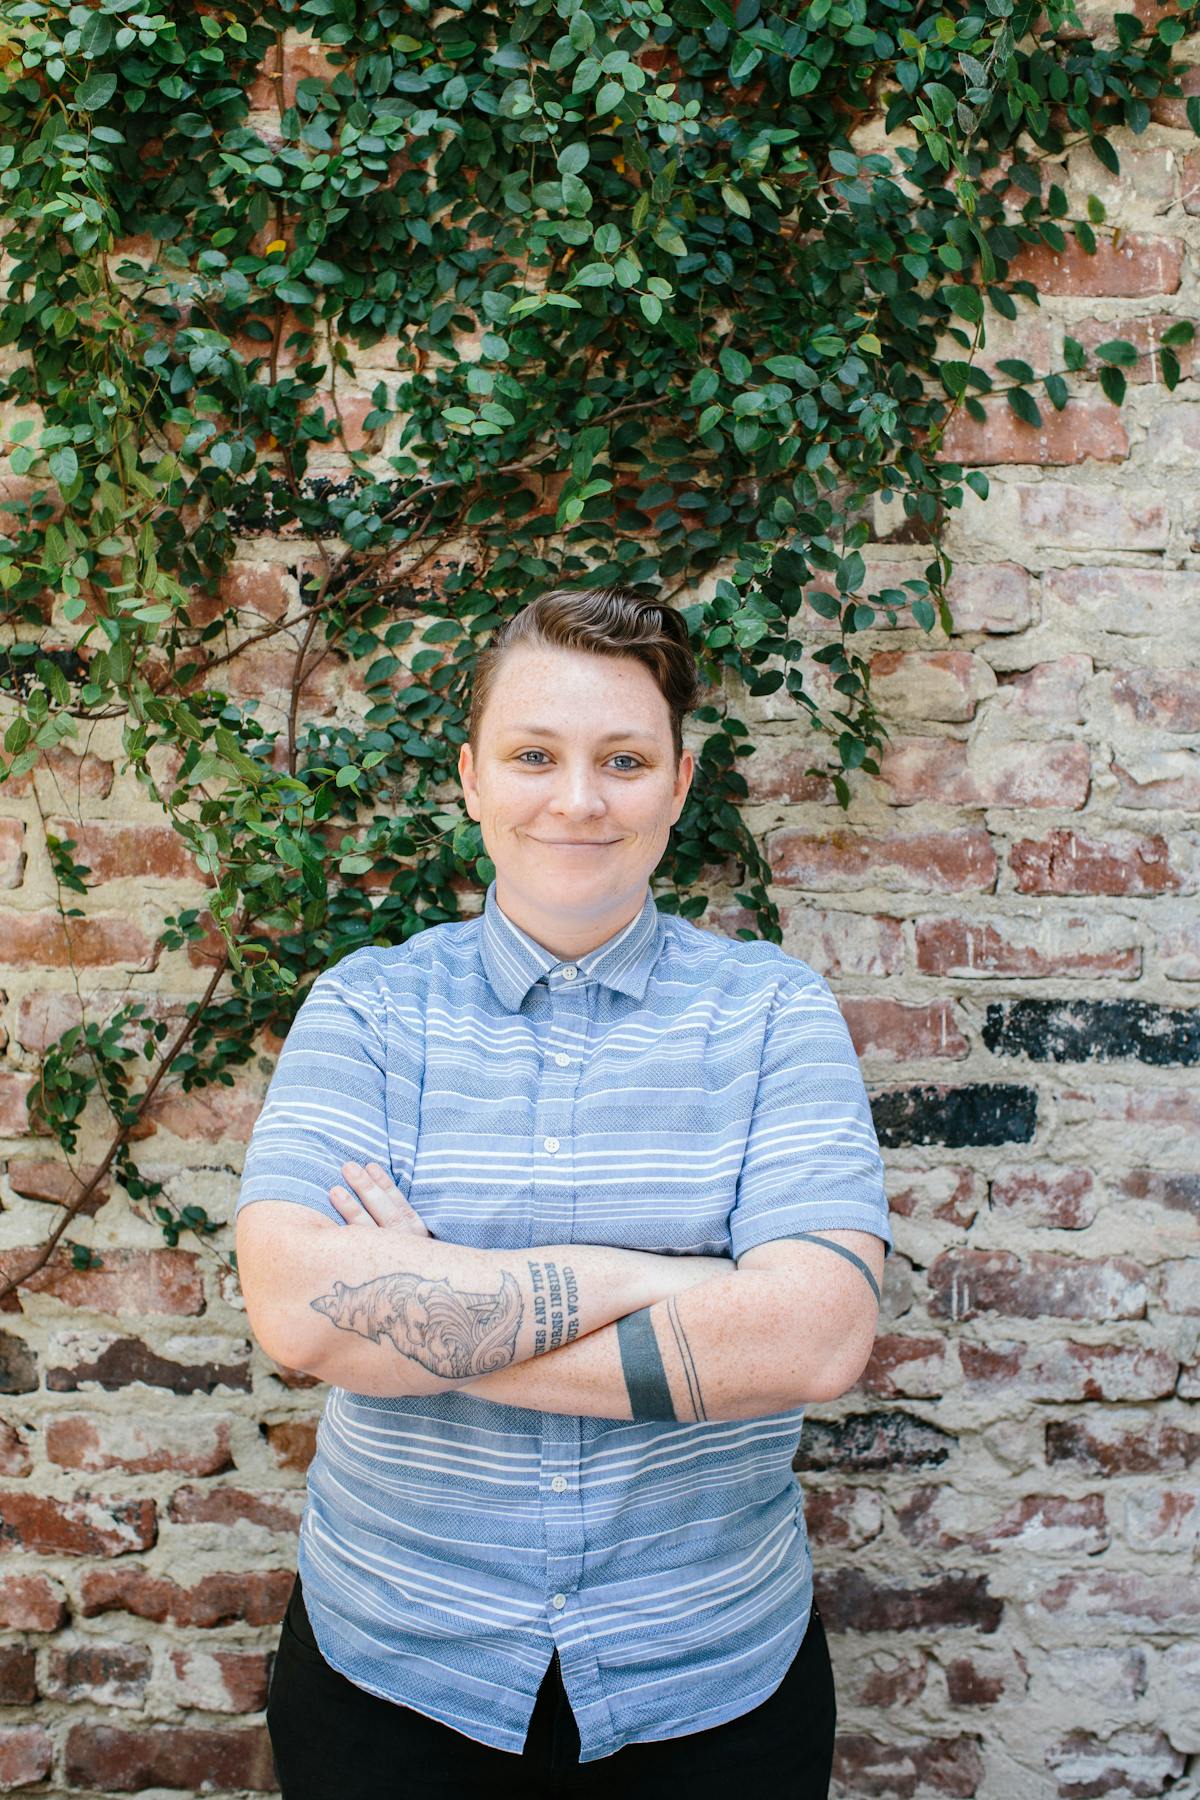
{"x": 578, "y": 843}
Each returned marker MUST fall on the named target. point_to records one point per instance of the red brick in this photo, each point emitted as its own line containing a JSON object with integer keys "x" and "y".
{"x": 1049, "y": 690}
{"x": 78, "y": 777}
{"x": 104, "y": 1674}
{"x": 1173, "y": 435}
{"x": 894, "y": 1031}
{"x": 196, "y": 1758}
{"x": 293, "y": 1443}
{"x": 1145, "y": 334}
{"x": 14, "y": 1451}
{"x": 1166, "y": 699}
{"x": 215, "y": 1115}
{"x": 42, "y": 1178}
{"x": 18, "y": 1365}
{"x": 250, "y": 1597}
{"x": 301, "y": 62}
{"x": 948, "y": 772}
{"x": 1124, "y": 267}
{"x": 942, "y": 684}
{"x": 114, "y": 851}
{"x": 905, "y": 1366}
{"x": 1110, "y": 1444}
{"x": 266, "y": 588}
{"x": 883, "y": 1680}
{"x": 932, "y": 1519}
{"x": 1068, "y": 862}
{"x": 960, "y": 861}
{"x": 30, "y": 1603}
{"x": 1085, "y": 431}
{"x": 1120, "y": 1601}
{"x": 842, "y": 1518}
{"x": 969, "y": 1684}
{"x": 779, "y": 771}
{"x": 964, "y": 1283}
{"x": 130, "y": 1281}
{"x": 1165, "y": 1518}
{"x": 1179, "y": 950}
{"x": 851, "y": 1600}
{"x": 184, "y": 1364}
{"x": 1069, "y": 1371}
{"x": 1164, "y": 779}
{"x": 994, "y": 598}
{"x": 44, "y": 1015}
{"x": 947, "y": 1194}
{"x": 1171, "y": 109}
{"x": 866, "y": 1767}
{"x": 26, "y": 1755}
{"x": 14, "y": 1096}
{"x": 18, "y": 1675}
{"x": 227, "y": 1681}
{"x": 1046, "y": 1194}
{"x": 1128, "y": 1763}
{"x": 40, "y": 940}
{"x": 277, "y": 1511}
{"x": 1028, "y": 946}
{"x": 186, "y": 1446}
{"x": 12, "y": 853}
{"x": 1178, "y": 1290}
{"x": 265, "y": 673}
{"x": 83, "y": 1526}
{"x": 1178, "y": 1191}
{"x": 1124, "y": 602}
{"x": 1061, "y": 515}
{"x": 843, "y": 943}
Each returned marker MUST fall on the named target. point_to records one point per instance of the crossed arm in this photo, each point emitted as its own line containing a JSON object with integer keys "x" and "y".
{"x": 581, "y": 1329}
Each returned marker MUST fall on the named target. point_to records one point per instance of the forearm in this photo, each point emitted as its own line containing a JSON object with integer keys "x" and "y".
{"x": 386, "y": 1313}
{"x": 761, "y": 1343}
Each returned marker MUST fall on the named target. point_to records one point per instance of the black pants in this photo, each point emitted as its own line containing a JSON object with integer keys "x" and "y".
{"x": 333, "y": 1741}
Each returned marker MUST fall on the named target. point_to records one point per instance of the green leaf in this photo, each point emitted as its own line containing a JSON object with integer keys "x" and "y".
{"x": 965, "y": 302}
{"x": 735, "y": 200}
{"x": 1181, "y": 332}
{"x": 1172, "y": 373}
{"x": 1056, "y": 391}
{"x": 1075, "y": 355}
{"x": 1025, "y": 406}
{"x": 1119, "y": 351}
{"x": 1113, "y": 383}
{"x": 96, "y": 91}
{"x": 64, "y": 465}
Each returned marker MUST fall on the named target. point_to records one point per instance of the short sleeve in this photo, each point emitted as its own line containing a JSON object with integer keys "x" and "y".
{"x": 328, "y": 1099}
{"x": 811, "y": 1160}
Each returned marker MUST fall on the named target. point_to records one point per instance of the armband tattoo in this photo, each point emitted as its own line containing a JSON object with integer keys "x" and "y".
{"x": 811, "y": 1237}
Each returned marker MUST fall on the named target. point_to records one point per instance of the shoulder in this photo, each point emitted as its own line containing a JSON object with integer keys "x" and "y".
{"x": 740, "y": 966}
{"x": 390, "y": 974}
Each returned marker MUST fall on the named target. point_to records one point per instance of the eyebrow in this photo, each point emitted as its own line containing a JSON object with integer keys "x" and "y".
{"x": 610, "y": 737}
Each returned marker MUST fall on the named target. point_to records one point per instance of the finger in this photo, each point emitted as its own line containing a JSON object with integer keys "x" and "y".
{"x": 350, "y": 1209}
{"x": 382, "y": 1198}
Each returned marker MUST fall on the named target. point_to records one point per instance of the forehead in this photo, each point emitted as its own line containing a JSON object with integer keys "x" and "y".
{"x": 567, "y": 689}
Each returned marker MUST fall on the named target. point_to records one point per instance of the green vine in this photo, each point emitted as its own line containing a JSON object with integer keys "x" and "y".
{"x": 580, "y": 291}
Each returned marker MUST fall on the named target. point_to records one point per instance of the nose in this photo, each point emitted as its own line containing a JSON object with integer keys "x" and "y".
{"x": 576, "y": 793}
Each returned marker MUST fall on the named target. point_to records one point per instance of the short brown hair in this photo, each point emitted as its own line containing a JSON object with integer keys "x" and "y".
{"x": 606, "y": 622}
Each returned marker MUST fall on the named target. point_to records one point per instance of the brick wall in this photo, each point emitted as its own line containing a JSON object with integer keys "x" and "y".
{"x": 1005, "y": 1513}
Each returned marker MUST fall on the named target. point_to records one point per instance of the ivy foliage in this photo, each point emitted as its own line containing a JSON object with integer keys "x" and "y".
{"x": 664, "y": 296}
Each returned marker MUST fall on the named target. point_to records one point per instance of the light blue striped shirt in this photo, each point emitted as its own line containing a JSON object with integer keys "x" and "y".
{"x": 672, "y": 1091}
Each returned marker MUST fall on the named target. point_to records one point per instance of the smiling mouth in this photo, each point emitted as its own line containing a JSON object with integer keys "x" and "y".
{"x": 577, "y": 843}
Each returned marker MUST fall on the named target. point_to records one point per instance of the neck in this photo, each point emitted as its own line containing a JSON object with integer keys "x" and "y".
{"x": 567, "y": 939}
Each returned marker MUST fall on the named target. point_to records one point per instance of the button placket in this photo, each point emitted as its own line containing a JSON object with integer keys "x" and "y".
{"x": 554, "y": 1116}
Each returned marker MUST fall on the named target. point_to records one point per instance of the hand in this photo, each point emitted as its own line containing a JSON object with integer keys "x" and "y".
{"x": 376, "y": 1201}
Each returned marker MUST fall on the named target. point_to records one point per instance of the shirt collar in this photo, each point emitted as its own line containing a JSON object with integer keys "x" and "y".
{"x": 513, "y": 961}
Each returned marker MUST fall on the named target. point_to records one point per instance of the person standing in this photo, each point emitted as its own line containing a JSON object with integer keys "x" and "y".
{"x": 576, "y": 1207}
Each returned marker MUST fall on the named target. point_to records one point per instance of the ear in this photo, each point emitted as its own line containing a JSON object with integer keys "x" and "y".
{"x": 470, "y": 786}
{"x": 683, "y": 781}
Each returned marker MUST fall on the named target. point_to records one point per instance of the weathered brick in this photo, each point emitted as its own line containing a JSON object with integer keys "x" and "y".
{"x": 30, "y": 1603}
{"x": 1129, "y": 1763}
{"x": 1179, "y": 950}
{"x": 96, "y": 1442}
{"x": 1166, "y": 699}
{"x": 932, "y": 1518}
{"x": 963, "y": 1283}
{"x": 1060, "y": 515}
{"x": 129, "y": 1281}
{"x": 1111, "y": 1678}
{"x": 921, "y": 862}
{"x": 84, "y": 1526}
{"x": 905, "y": 1368}
{"x": 41, "y": 940}
{"x": 1086, "y": 431}
{"x": 1068, "y": 862}
{"x": 868, "y": 1443}
{"x": 1122, "y": 1600}
{"x": 851, "y": 1600}
{"x": 104, "y": 1674}
{"x": 968, "y": 1683}
{"x": 1163, "y": 1518}
{"x": 994, "y": 598}
{"x": 44, "y": 1015}
{"x": 14, "y": 1099}
{"x": 183, "y": 1364}
{"x": 45, "y": 1178}
{"x": 1176, "y": 1287}
{"x": 1108, "y": 1110}
{"x": 1046, "y": 1194}
{"x": 871, "y": 1768}
{"x": 1115, "y": 1445}
{"x": 1173, "y": 435}
{"x": 194, "y": 1758}
{"x": 843, "y": 943}
{"x": 882, "y": 1680}
{"x": 277, "y": 1511}
{"x": 948, "y": 772}
{"x": 1029, "y": 946}
{"x": 214, "y": 1115}
{"x": 266, "y": 588}
{"x": 1171, "y": 109}
{"x": 1158, "y": 780}
{"x": 981, "y": 1113}
{"x": 26, "y": 1755}
{"x": 293, "y": 1442}
{"x": 1093, "y": 1031}
{"x": 12, "y": 853}
{"x": 15, "y": 1459}
{"x": 843, "y": 1518}
{"x": 1176, "y": 1191}
{"x": 250, "y": 1597}
{"x": 939, "y": 684}
{"x": 115, "y": 851}
{"x": 18, "y": 1675}
{"x": 18, "y": 1365}
{"x": 948, "y": 1194}
{"x": 1122, "y": 601}
{"x": 1048, "y": 691}
{"x": 227, "y": 1681}
{"x": 893, "y": 1030}
{"x": 779, "y": 770}
{"x": 1068, "y": 1371}
{"x": 81, "y": 778}
{"x": 1122, "y": 268}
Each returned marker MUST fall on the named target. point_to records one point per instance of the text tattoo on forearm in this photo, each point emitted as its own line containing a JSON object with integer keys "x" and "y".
{"x": 451, "y": 1331}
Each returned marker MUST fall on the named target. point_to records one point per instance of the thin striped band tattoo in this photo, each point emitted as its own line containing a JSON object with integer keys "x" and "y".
{"x": 688, "y": 1361}
{"x": 642, "y": 1367}
{"x": 841, "y": 1250}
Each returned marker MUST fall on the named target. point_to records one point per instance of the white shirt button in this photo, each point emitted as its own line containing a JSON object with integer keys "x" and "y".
{"x": 559, "y": 1484}
{"x": 569, "y": 972}
{"x": 560, "y": 1059}
{"x": 558, "y": 1602}
{"x": 550, "y": 1144}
